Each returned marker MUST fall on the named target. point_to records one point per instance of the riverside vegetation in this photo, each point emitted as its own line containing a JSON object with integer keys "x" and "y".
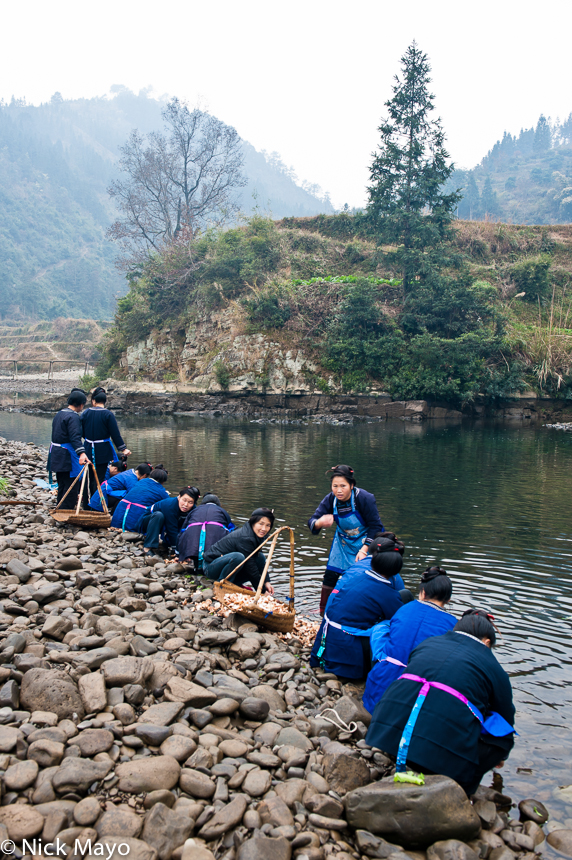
{"x": 131, "y": 716}
{"x": 324, "y": 286}
{"x": 398, "y": 298}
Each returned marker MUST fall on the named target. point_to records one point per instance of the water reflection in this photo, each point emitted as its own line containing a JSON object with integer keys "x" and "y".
{"x": 491, "y": 504}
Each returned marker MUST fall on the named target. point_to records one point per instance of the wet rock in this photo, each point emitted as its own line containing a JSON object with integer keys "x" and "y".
{"x": 178, "y": 746}
{"x": 127, "y": 670}
{"x": 534, "y": 810}
{"x": 148, "y": 774}
{"x": 77, "y": 774}
{"x": 86, "y": 812}
{"x": 264, "y": 847}
{"x": 119, "y": 822}
{"x": 257, "y": 783}
{"x": 253, "y": 708}
{"x": 536, "y": 833}
{"x": 51, "y": 690}
{"x": 109, "y": 846}
{"x": 196, "y": 784}
{"x": 561, "y": 840}
{"x": 56, "y": 627}
{"x": 275, "y": 811}
{"x": 19, "y": 569}
{"x": 46, "y": 753}
{"x": 161, "y": 714}
{"x": 344, "y": 771}
{"x": 10, "y": 695}
{"x": 413, "y": 815}
{"x": 179, "y": 690}
{"x": 21, "y": 821}
{"x": 268, "y": 694}
{"x": 294, "y": 737}
{"x": 93, "y": 741}
{"x": 228, "y": 817}
{"x": 166, "y": 829}
{"x": 21, "y": 776}
{"x": 487, "y": 812}
{"x": 92, "y": 691}
{"x": 451, "y": 849}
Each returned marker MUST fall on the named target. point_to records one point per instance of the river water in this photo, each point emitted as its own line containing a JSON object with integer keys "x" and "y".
{"x": 492, "y": 504}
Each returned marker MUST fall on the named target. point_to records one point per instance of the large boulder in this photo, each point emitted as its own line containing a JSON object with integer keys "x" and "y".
{"x": 413, "y": 815}
{"x": 51, "y": 690}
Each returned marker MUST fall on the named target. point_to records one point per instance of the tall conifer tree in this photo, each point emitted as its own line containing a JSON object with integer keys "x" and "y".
{"x": 407, "y": 205}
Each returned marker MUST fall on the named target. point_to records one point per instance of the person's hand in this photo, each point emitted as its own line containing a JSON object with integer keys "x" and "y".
{"x": 324, "y": 522}
{"x": 361, "y": 554}
{"x": 269, "y": 588}
{"x": 83, "y": 459}
{"x": 500, "y": 764}
{"x": 126, "y": 451}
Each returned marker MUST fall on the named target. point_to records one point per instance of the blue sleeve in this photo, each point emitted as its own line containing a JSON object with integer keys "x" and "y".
{"x": 326, "y": 506}
{"x": 366, "y": 505}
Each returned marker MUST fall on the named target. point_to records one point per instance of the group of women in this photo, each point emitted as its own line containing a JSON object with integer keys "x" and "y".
{"x": 439, "y": 699}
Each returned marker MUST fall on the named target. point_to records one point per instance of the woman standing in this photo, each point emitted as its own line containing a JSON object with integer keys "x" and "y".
{"x": 393, "y": 641}
{"x": 101, "y": 433}
{"x": 451, "y": 711}
{"x": 354, "y": 511}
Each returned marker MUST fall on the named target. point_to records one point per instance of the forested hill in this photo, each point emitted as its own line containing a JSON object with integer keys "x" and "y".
{"x": 523, "y": 179}
{"x": 56, "y": 162}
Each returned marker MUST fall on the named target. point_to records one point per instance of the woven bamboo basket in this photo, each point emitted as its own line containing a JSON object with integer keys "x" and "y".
{"x": 78, "y": 517}
{"x": 282, "y": 622}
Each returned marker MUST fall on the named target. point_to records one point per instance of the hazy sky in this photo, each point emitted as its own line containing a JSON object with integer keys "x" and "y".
{"x": 307, "y": 78}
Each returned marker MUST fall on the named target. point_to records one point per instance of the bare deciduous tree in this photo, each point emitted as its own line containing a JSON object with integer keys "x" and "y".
{"x": 175, "y": 182}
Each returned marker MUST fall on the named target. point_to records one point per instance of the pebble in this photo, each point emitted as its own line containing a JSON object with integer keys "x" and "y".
{"x": 127, "y": 710}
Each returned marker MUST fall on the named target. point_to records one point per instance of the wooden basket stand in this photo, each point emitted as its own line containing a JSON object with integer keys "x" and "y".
{"x": 77, "y": 517}
{"x": 282, "y": 622}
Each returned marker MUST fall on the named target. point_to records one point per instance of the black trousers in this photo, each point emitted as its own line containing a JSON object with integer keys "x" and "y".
{"x": 151, "y": 526}
{"x": 101, "y": 469}
{"x": 65, "y": 481}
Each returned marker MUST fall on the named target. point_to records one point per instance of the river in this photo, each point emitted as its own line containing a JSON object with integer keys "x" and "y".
{"x": 492, "y": 504}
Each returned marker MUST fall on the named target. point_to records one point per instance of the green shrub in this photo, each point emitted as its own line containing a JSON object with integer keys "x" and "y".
{"x": 4, "y": 486}
{"x": 266, "y": 310}
{"x": 222, "y": 374}
{"x": 532, "y": 276}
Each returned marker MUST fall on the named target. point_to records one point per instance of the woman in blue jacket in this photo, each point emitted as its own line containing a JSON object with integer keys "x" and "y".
{"x": 203, "y": 527}
{"x": 101, "y": 434}
{"x": 131, "y": 508}
{"x": 117, "y": 486}
{"x": 362, "y": 597}
{"x": 451, "y": 711}
{"x": 354, "y": 512}
{"x": 393, "y": 641}
{"x": 167, "y": 516}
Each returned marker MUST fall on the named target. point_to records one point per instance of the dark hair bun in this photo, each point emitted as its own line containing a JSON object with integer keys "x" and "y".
{"x": 432, "y": 573}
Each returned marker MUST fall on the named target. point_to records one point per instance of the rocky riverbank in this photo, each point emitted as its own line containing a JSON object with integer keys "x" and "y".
{"x": 151, "y": 398}
{"x": 134, "y": 722}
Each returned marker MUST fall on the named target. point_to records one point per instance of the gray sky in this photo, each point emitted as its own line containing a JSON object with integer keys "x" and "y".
{"x": 307, "y": 78}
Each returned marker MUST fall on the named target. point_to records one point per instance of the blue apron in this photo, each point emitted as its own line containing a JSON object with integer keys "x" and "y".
{"x": 94, "y": 442}
{"x": 349, "y": 538}
{"x": 75, "y": 466}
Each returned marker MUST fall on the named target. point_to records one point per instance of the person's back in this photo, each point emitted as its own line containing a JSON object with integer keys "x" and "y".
{"x": 446, "y": 736}
{"x": 392, "y": 642}
{"x": 204, "y": 526}
{"x": 143, "y": 494}
{"x": 362, "y": 597}
{"x": 114, "y": 488}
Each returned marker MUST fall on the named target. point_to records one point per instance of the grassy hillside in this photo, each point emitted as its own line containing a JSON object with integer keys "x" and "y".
{"x": 499, "y": 325}
{"x": 56, "y": 163}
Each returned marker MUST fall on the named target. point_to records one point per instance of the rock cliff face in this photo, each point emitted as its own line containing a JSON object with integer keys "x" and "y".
{"x": 217, "y": 354}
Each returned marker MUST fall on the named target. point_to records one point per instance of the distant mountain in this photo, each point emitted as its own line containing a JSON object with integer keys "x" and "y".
{"x": 523, "y": 179}
{"x": 56, "y": 162}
